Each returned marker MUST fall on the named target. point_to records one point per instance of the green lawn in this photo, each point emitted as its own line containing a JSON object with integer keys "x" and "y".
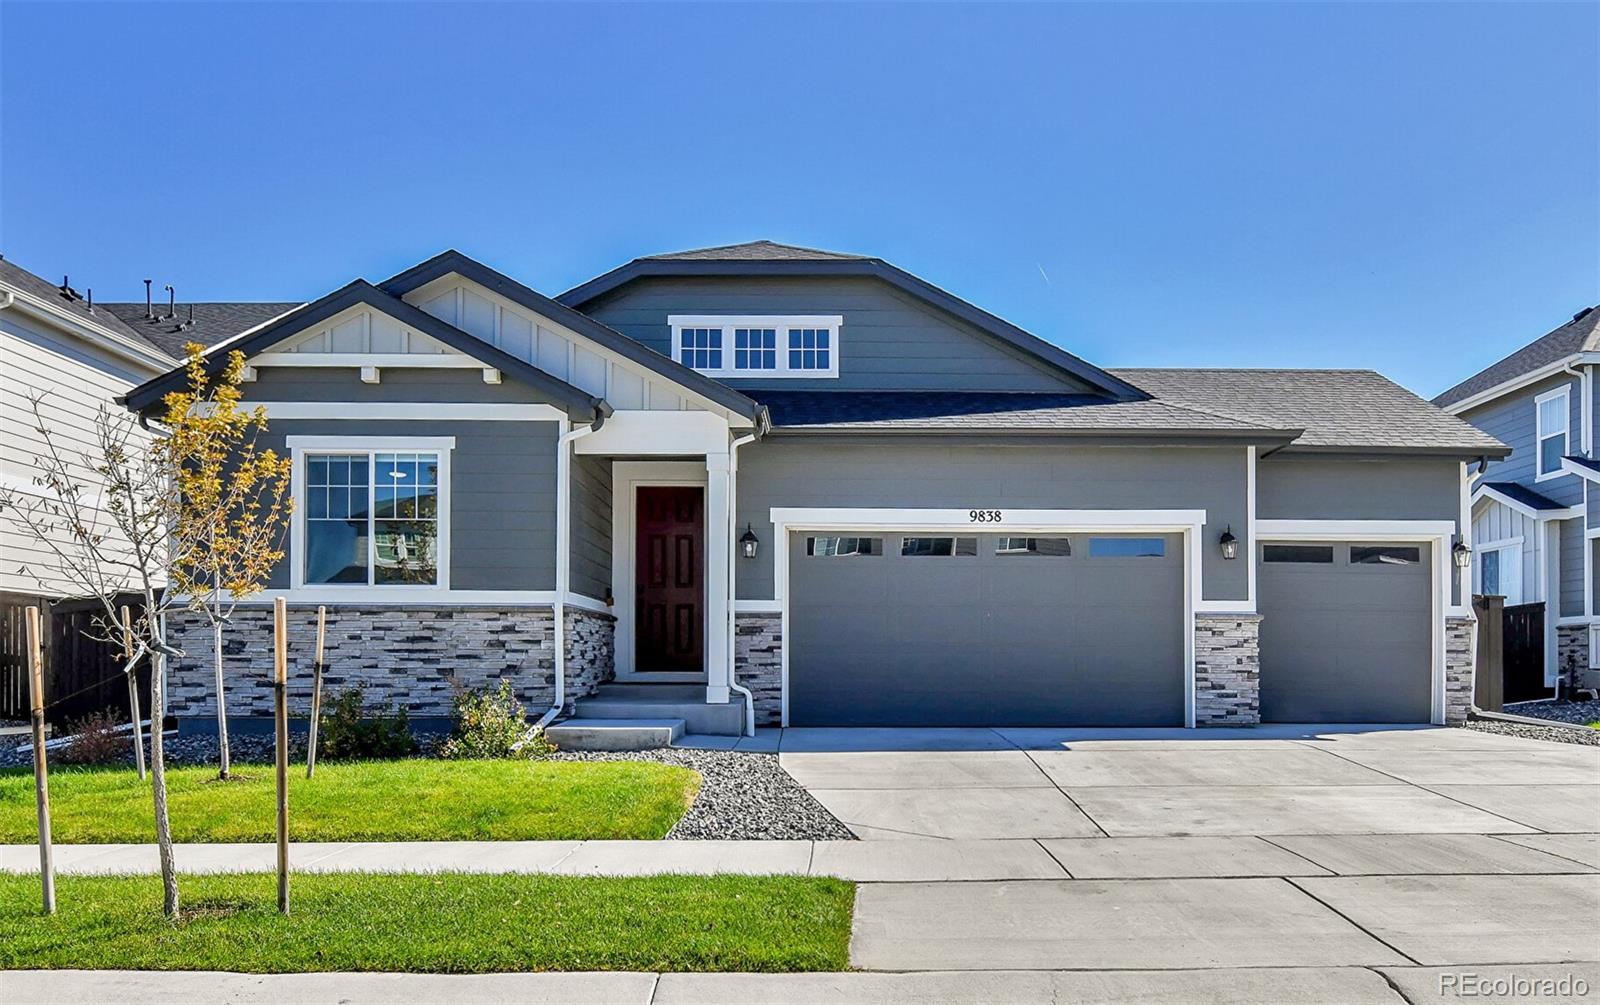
{"x": 410, "y": 800}
{"x": 440, "y": 923}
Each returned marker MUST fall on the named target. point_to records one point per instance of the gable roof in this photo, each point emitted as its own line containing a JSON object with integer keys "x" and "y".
{"x": 768, "y": 258}
{"x": 1339, "y": 410}
{"x": 454, "y": 261}
{"x": 984, "y": 412}
{"x": 754, "y": 251}
{"x": 1581, "y": 334}
{"x": 1520, "y": 498}
{"x": 151, "y": 392}
{"x": 77, "y": 309}
{"x": 205, "y": 323}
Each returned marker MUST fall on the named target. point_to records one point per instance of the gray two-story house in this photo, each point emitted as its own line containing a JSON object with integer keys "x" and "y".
{"x": 1536, "y": 513}
{"x": 763, "y": 484}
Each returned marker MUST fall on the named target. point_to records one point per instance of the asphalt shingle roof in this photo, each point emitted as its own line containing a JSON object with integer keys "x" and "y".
{"x": 44, "y": 289}
{"x": 1524, "y": 495}
{"x": 755, "y": 251}
{"x": 1338, "y": 409}
{"x": 1581, "y": 334}
{"x": 213, "y": 322}
{"x": 957, "y": 411}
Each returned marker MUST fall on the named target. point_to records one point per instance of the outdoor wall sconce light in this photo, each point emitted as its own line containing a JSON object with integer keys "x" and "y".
{"x": 1229, "y": 543}
{"x": 749, "y": 544}
{"x": 1462, "y": 554}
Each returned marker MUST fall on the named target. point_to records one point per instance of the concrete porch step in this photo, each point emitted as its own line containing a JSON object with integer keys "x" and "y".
{"x": 614, "y": 734}
{"x": 664, "y": 701}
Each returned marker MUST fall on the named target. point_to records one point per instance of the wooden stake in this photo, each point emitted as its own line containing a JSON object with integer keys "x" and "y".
{"x": 41, "y": 783}
{"x": 316, "y": 694}
{"x": 133, "y": 689}
{"x": 280, "y": 671}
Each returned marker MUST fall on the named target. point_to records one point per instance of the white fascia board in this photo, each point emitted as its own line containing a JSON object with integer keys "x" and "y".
{"x": 106, "y": 338}
{"x": 652, "y": 433}
{"x": 1582, "y": 471}
{"x": 1521, "y": 380}
{"x": 1495, "y": 495}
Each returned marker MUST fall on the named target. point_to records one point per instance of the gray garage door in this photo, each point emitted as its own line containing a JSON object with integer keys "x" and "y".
{"x": 1345, "y": 632}
{"x": 982, "y": 629}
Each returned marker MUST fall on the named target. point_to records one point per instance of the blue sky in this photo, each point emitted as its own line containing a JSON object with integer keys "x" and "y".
{"x": 1410, "y": 188}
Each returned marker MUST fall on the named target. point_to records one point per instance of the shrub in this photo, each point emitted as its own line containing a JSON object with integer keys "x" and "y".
{"x": 491, "y": 724}
{"x": 95, "y": 741}
{"x": 352, "y": 732}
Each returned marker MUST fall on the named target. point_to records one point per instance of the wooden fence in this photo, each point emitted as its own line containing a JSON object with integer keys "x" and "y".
{"x": 82, "y": 674}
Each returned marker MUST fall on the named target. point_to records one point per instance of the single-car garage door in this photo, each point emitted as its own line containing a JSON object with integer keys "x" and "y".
{"x": 1346, "y": 632}
{"x": 919, "y": 629}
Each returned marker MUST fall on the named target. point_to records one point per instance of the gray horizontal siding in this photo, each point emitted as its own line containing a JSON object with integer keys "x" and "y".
{"x": 502, "y": 496}
{"x": 930, "y": 474}
{"x": 890, "y": 341}
{"x": 1512, "y": 421}
{"x": 1317, "y": 488}
{"x": 1571, "y": 568}
{"x": 395, "y": 384}
{"x": 591, "y": 526}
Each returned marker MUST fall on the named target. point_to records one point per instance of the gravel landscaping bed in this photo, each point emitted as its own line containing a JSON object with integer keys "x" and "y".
{"x": 1550, "y": 734}
{"x": 1580, "y": 712}
{"x": 743, "y": 796}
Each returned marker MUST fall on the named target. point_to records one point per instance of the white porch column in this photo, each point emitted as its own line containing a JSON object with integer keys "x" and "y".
{"x": 716, "y": 579}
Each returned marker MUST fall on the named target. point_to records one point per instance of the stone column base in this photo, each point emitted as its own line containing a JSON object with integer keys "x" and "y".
{"x": 1572, "y": 654}
{"x": 758, "y": 663}
{"x": 1459, "y": 673}
{"x": 1227, "y": 669}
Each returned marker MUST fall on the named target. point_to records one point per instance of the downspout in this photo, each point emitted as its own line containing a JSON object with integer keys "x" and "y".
{"x": 564, "y": 560}
{"x": 1585, "y": 407}
{"x": 733, "y": 591}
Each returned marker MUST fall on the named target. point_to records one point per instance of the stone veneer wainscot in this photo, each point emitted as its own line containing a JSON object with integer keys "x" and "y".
{"x": 758, "y": 663}
{"x": 416, "y": 657}
{"x": 1227, "y": 669}
{"x": 1458, "y": 668}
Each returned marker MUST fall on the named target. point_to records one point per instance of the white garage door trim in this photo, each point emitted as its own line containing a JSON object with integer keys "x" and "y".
{"x": 1437, "y": 533}
{"x": 786, "y": 520}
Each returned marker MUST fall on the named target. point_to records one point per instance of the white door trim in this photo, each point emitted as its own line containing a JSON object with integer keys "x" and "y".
{"x": 1437, "y": 533}
{"x": 626, "y": 478}
{"x": 1187, "y": 522}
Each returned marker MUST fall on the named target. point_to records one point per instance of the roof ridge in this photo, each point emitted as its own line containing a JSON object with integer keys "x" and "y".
{"x": 757, "y": 243}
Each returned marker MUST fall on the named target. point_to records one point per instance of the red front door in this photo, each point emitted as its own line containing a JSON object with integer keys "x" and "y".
{"x": 669, "y": 567}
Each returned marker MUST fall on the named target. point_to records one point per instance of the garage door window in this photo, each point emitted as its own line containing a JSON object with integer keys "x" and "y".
{"x": 938, "y": 546}
{"x": 843, "y": 547}
{"x": 1050, "y": 547}
{"x": 1127, "y": 547}
{"x": 1305, "y": 554}
{"x": 1366, "y": 555}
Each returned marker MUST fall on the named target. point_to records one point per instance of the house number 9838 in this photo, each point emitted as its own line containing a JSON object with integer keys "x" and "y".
{"x": 984, "y": 515}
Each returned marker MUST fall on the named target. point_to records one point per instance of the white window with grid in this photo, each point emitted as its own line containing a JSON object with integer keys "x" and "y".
{"x": 759, "y": 346}
{"x": 1552, "y": 419}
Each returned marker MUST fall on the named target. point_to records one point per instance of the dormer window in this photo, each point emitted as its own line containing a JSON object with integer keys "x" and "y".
{"x": 803, "y": 345}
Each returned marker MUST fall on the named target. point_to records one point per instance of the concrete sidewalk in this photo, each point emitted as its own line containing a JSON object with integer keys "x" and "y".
{"x": 1314, "y": 986}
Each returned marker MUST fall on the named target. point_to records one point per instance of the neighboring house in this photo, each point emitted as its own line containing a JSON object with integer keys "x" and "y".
{"x": 1536, "y": 513}
{"x": 75, "y": 358}
{"x": 816, "y": 489}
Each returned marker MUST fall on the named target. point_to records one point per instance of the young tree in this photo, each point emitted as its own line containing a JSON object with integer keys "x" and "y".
{"x": 232, "y": 503}
{"x": 102, "y": 520}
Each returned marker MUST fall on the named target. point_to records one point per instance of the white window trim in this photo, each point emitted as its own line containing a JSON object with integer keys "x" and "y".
{"x": 1510, "y": 564}
{"x": 1564, "y": 392}
{"x": 781, "y": 322}
{"x": 301, "y": 447}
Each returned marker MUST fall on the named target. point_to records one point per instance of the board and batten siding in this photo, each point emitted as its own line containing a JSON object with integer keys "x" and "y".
{"x": 76, "y": 380}
{"x": 551, "y": 347}
{"x": 889, "y": 340}
{"x": 1493, "y": 522}
{"x": 932, "y": 474}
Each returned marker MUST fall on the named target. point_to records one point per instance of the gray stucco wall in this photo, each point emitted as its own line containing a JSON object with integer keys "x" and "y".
{"x": 1512, "y": 421}
{"x": 924, "y": 474}
{"x": 890, "y": 341}
{"x": 591, "y": 526}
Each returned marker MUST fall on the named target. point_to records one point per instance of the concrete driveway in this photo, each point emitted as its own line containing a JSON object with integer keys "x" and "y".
{"x": 1365, "y": 847}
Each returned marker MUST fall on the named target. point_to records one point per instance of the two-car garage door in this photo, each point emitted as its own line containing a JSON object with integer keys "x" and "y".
{"x": 913, "y": 628}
